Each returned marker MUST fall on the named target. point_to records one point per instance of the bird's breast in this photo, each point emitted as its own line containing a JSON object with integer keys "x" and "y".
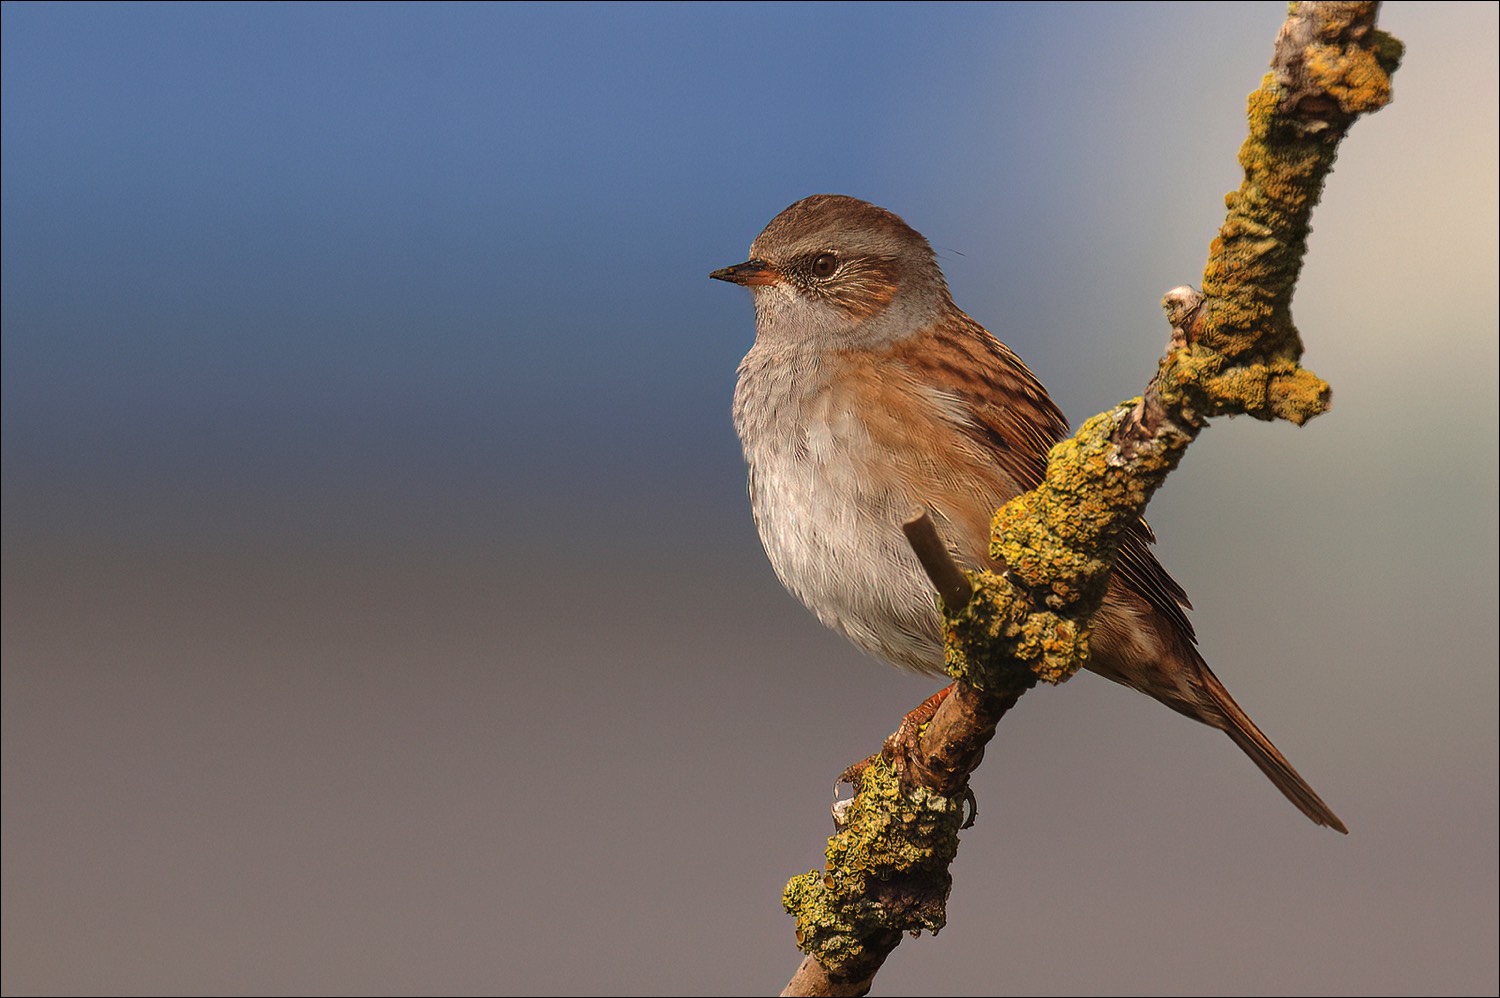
{"x": 840, "y": 453}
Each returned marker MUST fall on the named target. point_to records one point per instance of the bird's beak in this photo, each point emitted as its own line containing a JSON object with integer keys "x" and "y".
{"x": 750, "y": 274}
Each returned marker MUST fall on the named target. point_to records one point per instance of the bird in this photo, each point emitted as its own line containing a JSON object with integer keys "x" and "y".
{"x": 869, "y": 397}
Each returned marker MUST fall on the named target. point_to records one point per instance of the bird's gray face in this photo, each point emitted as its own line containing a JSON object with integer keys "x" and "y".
{"x": 834, "y": 272}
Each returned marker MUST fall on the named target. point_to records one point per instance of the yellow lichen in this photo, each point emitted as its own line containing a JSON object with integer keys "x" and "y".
{"x": 1058, "y": 542}
{"x": 889, "y": 836}
{"x": 1354, "y": 77}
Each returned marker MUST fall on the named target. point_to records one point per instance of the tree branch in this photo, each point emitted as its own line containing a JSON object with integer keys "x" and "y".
{"x": 1233, "y": 349}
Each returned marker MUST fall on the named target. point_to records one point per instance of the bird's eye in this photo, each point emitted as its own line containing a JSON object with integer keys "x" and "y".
{"x": 824, "y": 264}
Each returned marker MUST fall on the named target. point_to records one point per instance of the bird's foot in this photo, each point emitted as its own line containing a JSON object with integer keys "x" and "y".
{"x": 904, "y": 743}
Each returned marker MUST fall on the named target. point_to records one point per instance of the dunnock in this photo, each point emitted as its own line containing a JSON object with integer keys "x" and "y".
{"x": 868, "y": 397}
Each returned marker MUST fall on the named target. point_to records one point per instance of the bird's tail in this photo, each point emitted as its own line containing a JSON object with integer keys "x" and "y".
{"x": 1253, "y": 742}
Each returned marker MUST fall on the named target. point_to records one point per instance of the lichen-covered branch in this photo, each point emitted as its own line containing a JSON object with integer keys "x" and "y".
{"x": 1242, "y": 350}
{"x": 1234, "y": 349}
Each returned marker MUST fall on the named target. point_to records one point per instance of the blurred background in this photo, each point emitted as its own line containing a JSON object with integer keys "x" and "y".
{"x": 382, "y": 608}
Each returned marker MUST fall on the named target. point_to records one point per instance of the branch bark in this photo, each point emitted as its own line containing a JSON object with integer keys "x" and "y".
{"x": 1233, "y": 350}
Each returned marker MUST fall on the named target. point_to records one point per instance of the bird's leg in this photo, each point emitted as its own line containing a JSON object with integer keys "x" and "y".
{"x": 904, "y": 749}
{"x": 904, "y": 741}
{"x": 900, "y": 745}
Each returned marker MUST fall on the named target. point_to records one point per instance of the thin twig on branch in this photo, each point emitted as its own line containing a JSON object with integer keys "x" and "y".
{"x": 947, "y": 578}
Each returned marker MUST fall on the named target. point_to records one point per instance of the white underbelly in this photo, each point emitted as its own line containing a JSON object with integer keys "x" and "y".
{"x": 832, "y": 532}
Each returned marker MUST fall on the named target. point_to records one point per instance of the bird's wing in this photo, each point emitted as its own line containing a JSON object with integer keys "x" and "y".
{"x": 1007, "y": 412}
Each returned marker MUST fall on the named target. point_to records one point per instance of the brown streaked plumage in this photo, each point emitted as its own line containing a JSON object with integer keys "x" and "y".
{"x": 869, "y": 396}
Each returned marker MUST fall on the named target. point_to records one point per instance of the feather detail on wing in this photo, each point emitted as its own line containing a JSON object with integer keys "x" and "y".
{"x": 1007, "y": 413}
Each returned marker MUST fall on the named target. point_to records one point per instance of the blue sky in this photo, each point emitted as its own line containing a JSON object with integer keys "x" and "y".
{"x": 284, "y": 229}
